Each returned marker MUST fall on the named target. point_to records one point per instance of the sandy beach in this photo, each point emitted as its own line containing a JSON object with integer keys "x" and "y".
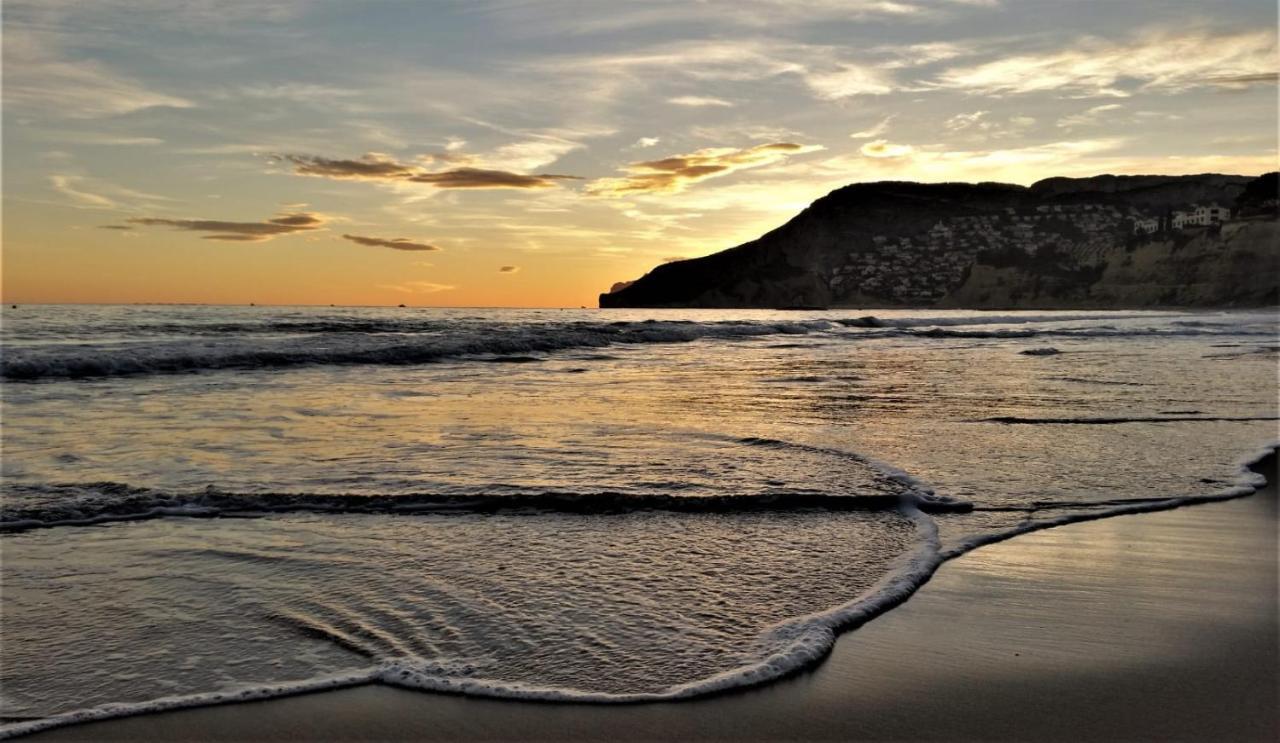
{"x": 1155, "y": 626}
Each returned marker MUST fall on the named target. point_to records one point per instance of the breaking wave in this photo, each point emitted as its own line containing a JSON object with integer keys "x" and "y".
{"x": 503, "y": 344}
{"x": 97, "y": 503}
{"x": 1111, "y": 421}
{"x": 290, "y": 344}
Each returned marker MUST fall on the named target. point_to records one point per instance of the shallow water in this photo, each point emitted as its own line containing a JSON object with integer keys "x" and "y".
{"x": 565, "y": 504}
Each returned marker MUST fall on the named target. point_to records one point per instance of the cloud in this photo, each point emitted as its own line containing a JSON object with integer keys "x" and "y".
{"x": 417, "y": 287}
{"x": 698, "y": 101}
{"x": 978, "y": 126}
{"x": 395, "y": 243}
{"x": 483, "y": 178}
{"x": 530, "y": 154}
{"x": 69, "y": 185}
{"x": 36, "y": 78}
{"x": 646, "y": 142}
{"x": 297, "y": 92}
{"x": 875, "y": 131}
{"x": 283, "y": 224}
{"x": 849, "y": 80}
{"x": 372, "y": 166}
{"x": 95, "y": 193}
{"x": 95, "y": 138}
{"x": 674, "y": 174}
{"x": 884, "y": 148}
{"x": 1236, "y": 82}
{"x": 572, "y": 19}
{"x": 830, "y": 71}
{"x": 734, "y": 132}
{"x": 509, "y": 269}
{"x": 934, "y": 163}
{"x": 123, "y": 227}
{"x": 1160, "y": 61}
{"x": 918, "y": 55}
{"x": 960, "y": 122}
{"x": 378, "y": 167}
{"x": 1088, "y": 117}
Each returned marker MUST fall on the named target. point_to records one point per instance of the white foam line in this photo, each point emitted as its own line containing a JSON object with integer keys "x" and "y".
{"x": 806, "y": 639}
{"x": 1247, "y": 482}
{"x": 207, "y": 699}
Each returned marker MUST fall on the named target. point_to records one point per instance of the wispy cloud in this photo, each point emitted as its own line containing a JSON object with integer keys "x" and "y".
{"x": 961, "y": 122}
{"x": 699, "y": 101}
{"x": 69, "y": 186}
{"x": 938, "y": 162}
{"x": 483, "y": 178}
{"x": 977, "y": 126}
{"x": 527, "y": 155}
{"x": 508, "y": 269}
{"x": 1163, "y": 61}
{"x": 849, "y": 80}
{"x": 95, "y": 193}
{"x": 98, "y": 138}
{"x": 283, "y": 224}
{"x": 395, "y": 243}
{"x": 297, "y": 92}
{"x": 1025, "y": 165}
{"x": 562, "y": 19}
{"x": 372, "y": 166}
{"x": 37, "y": 78}
{"x": 880, "y": 128}
{"x": 1088, "y": 117}
{"x": 674, "y": 174}
{"x": 378, "y": 167}
{"x": 417, "y": 287}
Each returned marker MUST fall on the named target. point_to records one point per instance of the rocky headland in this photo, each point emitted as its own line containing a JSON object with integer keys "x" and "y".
{"x": 1103, "y": 242}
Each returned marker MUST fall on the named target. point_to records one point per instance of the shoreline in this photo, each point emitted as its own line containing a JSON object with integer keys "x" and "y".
{"x": 351, "y": 712}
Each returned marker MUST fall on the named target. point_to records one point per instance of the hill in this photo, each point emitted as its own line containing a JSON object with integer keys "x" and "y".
{"x": 1105, "y": 242}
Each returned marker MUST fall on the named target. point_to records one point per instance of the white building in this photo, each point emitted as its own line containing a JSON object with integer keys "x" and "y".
{"x": 1201, "y": 216}
{"x": 1146, "y": 226}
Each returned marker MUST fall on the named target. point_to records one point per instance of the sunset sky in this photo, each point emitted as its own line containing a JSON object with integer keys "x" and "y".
{"x": 518, "y": 153}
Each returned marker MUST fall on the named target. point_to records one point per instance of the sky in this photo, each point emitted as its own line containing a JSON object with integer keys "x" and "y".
{"x": 531, "y": 154}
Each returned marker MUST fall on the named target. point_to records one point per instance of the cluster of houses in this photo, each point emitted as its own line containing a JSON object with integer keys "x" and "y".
{"x": 1199, "y": 216}
{"x": 924, "y": 267}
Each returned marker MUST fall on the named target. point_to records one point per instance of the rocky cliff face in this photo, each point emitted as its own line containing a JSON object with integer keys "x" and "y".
{"x": 1059, "y": 243}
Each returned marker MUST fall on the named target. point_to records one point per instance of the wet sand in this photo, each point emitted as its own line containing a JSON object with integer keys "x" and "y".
{"x": 1154, "y": 626}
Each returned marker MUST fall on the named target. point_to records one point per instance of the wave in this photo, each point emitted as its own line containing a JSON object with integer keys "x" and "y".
{"x": 411, "y": 341}
{"x": 84, "y": 504}
{"x": 201, "y": 324}
{"x": 1115, "y": 420}
{"x": 804, "y": 640}
{"x": 1083, "y": 380}
{"x": 1100, "y": 331}
{"x": 509, "y": 344}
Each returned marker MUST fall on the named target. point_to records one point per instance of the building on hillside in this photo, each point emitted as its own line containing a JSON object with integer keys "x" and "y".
{"x": 1146, "y": 226}
{"x": 1201, "y": 216}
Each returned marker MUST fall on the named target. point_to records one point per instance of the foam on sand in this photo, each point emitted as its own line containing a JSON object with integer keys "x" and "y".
{"x": 803, "y": 640}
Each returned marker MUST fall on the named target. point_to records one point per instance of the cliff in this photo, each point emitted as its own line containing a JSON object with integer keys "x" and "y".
{"x": 1062, "y": 242}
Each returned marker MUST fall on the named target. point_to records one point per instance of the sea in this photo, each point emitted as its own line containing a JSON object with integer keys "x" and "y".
{"x": 208, "y": 504}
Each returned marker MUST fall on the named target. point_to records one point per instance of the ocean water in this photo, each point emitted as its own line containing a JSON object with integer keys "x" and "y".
{"x": 204, "y": 504}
